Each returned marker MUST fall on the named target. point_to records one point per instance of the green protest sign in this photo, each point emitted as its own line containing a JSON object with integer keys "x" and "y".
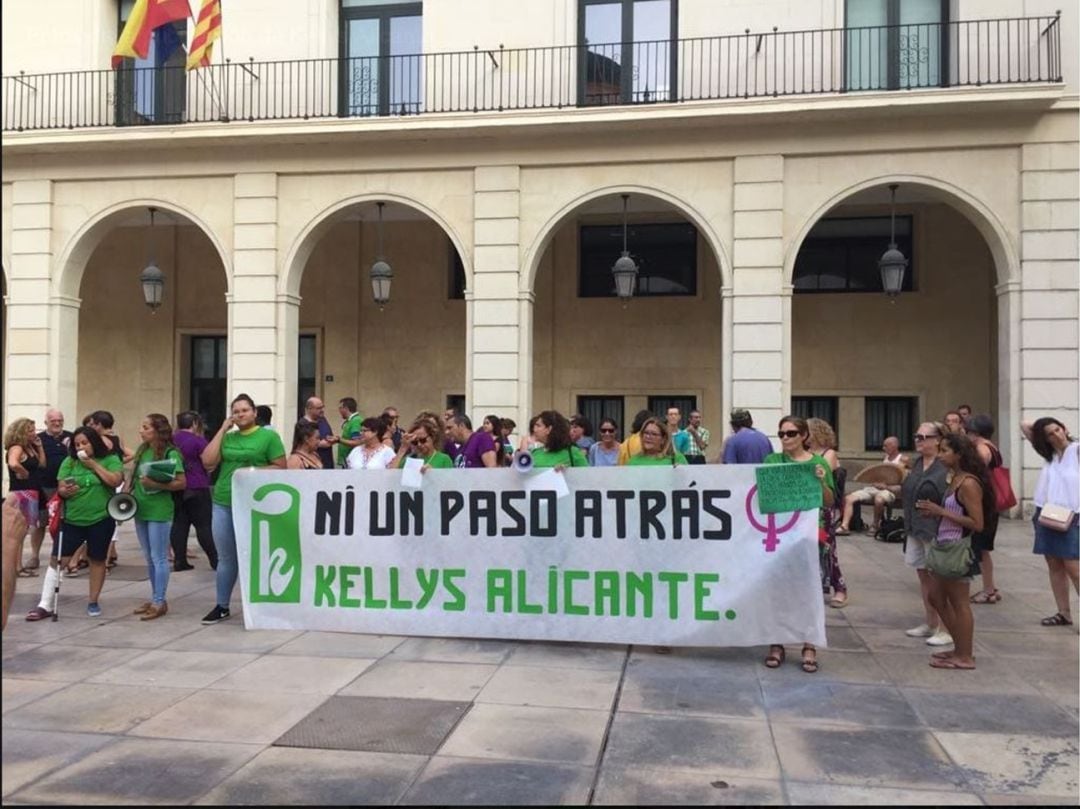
{"x": 787, "y": 487}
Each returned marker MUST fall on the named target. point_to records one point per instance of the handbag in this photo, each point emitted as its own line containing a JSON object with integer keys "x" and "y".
{"x": 951, "y": 560}
{"x": 1056, "y": 518}
{"x": 1000, "y": 482}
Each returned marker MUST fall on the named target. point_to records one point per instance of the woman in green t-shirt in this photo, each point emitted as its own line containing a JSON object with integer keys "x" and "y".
{"x": 420, "y": 442}
{"x": 158, "y": 472}
{"x": 794, "y": 434}
{"x": 87, "y": 479}
{"x": 656, "y": 446}
{"x": 552, "y": 430}
{"x": 249, "y": 445}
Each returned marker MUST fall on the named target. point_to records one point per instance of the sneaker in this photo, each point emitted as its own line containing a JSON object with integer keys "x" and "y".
{"x": 93, "y": 610}
{"x": 940, "y": 638}
{"x": 216, "y": 615}
{"x": 921, "y": 631}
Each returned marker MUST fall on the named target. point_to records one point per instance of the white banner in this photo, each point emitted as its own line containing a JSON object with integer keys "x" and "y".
{"x": 645, "y": 555}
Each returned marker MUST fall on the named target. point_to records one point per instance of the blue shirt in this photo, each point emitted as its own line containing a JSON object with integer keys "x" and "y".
{"x": 680, "y": 439}
{"x": 747, "y": 446}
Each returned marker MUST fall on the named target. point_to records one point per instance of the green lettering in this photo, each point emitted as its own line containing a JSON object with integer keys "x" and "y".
{"x": 639, "y": 587}
{"x": 553, "y": 589}
{"x": 523, "y": 606}
{"x": 324, "y": 584}
{"x": 607, "y": 590}
{"x": 569, "y": 577}
{"x": 348, "y": 572}
{"x": 427, "y": 586}
{"x": 458, "y": 604}
{"x": 499, "y": 586}
{"x": 673, "y": 580}
{"x": 373, "y": 603}
{"x": 701, "y": 592}
{"x": 396, "y": 602}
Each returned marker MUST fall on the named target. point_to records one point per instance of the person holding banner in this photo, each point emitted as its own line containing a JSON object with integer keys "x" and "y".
{"x": 794, "y": 434}
{"x": 419, "y": 442}
{"x": 372, "y": 452}
{"x": 158, "y": 472}
{"x": 657, "y": 448}
{"x": 557, "y": 448}
{"x": 87, "y": 478}
{"x": 248, "y": 446}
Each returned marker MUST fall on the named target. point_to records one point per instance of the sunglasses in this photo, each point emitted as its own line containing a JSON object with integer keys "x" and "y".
{"x": 788, "y": 434}
{"x": 921, "y": 437}
{"x": 604, "y": 430}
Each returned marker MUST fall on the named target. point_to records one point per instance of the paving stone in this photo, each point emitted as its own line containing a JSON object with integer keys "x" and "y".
{"x": 415, "y": 679}
{"x": 95, "y": 708}
{"x": 172, "y": 669}
{"x": 833, "y": 666}
{"x": 990, "y": 676}
{"x": 718, "y": 663}
{"x": 294, "y": 675}
{"x": 65, "y": 662}
{"x": 454, "y": 650}
{"x": 470, "y": 782}
{"x": 231, "y": 636}
{"x": 551, "y": 687}
{"x": 844, "y": 638}
{"x": 529, "y": 734}
{"x": 230, "y": 716}
{"x": 1028, "y": 800}
{"x": 130, "y": 632}
{"x": 653, "y": 687}
{"x": 800, "y": 794}
{"x": 1024, "y": 644}
{"x": 17, "y": 693}
{"x": 991, "y": 713}
{"x": 376, "y": 725}
{"x": 10, "y": 648}
{"x": 874, "y": 757}
{"x": 292, "y": 777}
{"x": 634, "y": 786}
{"x": 140, "y": 772}
{"x": 735, "y": 747}
{"x": 30, "y": 754}
{"x": 1017, "y": 764}
{"x": 837, "y": 703}
{"x": 23, "y": 631}
{"x": 340, "y": 644}
{"x": 568, "y": 655}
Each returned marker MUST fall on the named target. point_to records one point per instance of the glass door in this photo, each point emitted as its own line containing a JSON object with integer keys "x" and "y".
{"x": 894, "y": 44}
{"x": 207, "y": 382}
{"x": 381, "y": 60}
{"x": 627, "y": 49}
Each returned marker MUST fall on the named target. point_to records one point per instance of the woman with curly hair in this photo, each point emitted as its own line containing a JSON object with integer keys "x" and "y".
{"x": 419, "y": 441}
{"x": 25, "y": 462}
{"x": 968, "y": 499}
{"x": 823, "y": 443}
{"x": 552, "y": 429}
{"x": 158, "y": 472}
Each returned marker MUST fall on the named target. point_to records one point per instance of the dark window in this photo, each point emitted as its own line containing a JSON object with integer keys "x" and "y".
{"x": 890, "y": 415}
{"x": 598, "y": 408}
{"x": 659, "y": 405}
{"x": 666, "y": 256}
{"x": 208, "y": 380}
{"x": 840, "y": 254}
{"x": 381, "y": 62}
{"x": 307, "y": 371}
{"x": 153, "y": 90}
{"x": 893, "y": 44}
{"x": 455, "y": 402}
{"x": 627, "y": 51}
{"x": 457, "y": 273}
{"x": 825, "y": 408}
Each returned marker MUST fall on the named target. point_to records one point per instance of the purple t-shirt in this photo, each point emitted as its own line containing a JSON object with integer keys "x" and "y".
{"x": 191, "y": 447}
{"x": 471, "y": 455}
{"x": 747, "y": 446}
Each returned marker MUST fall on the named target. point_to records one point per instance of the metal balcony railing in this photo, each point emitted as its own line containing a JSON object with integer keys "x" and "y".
{"x": 749, "y": 65}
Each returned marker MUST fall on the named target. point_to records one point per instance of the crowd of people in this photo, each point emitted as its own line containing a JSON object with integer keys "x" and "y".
{"x": 951, "y": 491}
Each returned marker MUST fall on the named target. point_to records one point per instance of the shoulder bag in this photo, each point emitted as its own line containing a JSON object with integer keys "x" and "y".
{"x": 1001, "y": 483}
{"x": 951, "y": 560}
{"x": 1056, "y": 518}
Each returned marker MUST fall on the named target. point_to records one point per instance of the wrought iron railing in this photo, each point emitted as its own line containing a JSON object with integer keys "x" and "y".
{"x": 749, "y": 65}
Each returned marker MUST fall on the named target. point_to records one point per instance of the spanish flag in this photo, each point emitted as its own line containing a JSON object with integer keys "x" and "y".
{"x": 145, "y": 16}
{"x": 207, "y": 29}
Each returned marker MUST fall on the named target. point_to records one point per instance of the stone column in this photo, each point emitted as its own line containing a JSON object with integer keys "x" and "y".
{"x": 1050, "y": 295}
{"x": 257, "y": 343}
{"x": 494, "y": 366}
{"x": 760, "y": 295}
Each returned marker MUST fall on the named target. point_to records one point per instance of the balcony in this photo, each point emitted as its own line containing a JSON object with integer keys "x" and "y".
{"x": 973, "y": 53}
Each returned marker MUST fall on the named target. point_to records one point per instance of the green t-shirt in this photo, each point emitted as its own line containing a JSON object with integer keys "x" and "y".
{"x": 255, "y": 448}
{"x": 88, "y": 505}
{"x": 571, "y": 456}
{"x": 779, "y": 457}
{"x": 656, "y": 460}
{"x": 155, "y": 505}
{"x": 350, "y": 428}
{"x": 438, "y": 460}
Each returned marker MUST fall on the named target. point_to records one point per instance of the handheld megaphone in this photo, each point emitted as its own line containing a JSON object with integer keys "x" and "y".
{"x": 122, "y": 507}
{"x": 522, "y": 461}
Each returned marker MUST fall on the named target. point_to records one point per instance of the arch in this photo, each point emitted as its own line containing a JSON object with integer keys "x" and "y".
{"x": 300, "y": 250}
{"x": 1002, "y": 249}
{"x": 76, "y": 253}
{"x": 551, "y": 226}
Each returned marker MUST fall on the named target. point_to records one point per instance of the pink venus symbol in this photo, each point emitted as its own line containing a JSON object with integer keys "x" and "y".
{"x": 772, "y": 533}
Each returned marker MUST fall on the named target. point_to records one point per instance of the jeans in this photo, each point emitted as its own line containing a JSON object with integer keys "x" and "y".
{"x": 225, "y": 541}
{"x": 154, "y": 539}
{"x": 193, "y": 508}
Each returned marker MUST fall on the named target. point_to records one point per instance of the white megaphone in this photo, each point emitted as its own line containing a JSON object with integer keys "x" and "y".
{"x": 522, "y": 461}
{"x": 122, "y": 507}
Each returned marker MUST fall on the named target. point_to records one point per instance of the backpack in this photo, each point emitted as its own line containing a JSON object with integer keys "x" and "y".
{"x": 891, "y": 530}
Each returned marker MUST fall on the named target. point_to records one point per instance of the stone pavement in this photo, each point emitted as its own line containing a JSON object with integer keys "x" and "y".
{"x": 113, "y": 710}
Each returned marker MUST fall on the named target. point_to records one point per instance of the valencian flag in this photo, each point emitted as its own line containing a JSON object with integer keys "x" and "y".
{"x": 207, "y": 29}
{"x": 146, "y": 16}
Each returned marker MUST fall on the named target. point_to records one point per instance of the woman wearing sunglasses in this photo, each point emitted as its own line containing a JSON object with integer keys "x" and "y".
{"x": 656, "y": 446}
{"x": 419, "y": 442}
{"x": 794, "y": 437}
{"x": 605, "y": 452}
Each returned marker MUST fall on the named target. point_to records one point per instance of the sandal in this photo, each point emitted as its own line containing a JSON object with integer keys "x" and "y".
{"x": 26, "y": 573}
{"x": 38, "y": 614}
{"x": 841, "y": 531}
{"x": 72, "y": 570}
{"x": 949, "y": 663}
{"x": 775, "y": 658}
{"x": 1056, "y": 620}
{"x": 839, "y": 601}
{"x": 809, "y": 664}
{"x": 986, "y": 597}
